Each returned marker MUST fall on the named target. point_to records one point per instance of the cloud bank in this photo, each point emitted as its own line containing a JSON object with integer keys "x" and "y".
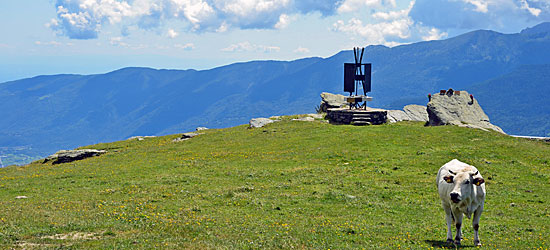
{"x": 83, "y": 19}
{"x": 389, "y": 22}
{"x": 434, "y": 20}
{"x": 503, "y": 15}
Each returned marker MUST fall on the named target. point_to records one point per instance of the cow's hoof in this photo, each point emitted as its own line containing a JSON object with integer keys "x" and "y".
{"x": 450, "y": 241}
{"x": 457, "y": 242}
{"x": 477, "y": 243}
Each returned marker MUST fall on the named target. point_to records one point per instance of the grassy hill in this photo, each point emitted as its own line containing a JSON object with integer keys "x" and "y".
{"x": 289, "y": 185}
{"x": 43, "y": 114}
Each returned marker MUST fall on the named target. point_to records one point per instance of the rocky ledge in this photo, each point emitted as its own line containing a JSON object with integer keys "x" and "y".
{"x": 64, "y": 156}
{"x": 458, "y": 108}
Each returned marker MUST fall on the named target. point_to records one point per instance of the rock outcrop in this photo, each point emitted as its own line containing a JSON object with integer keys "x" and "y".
{"x": 409, "y": 113}
{"x": 458, "y": 108}
{"x": 330, "y": 100}
{"x": 416, "y": 112}
{"x": 65, "y": 156}
{"x": 260, "y": 122}
{"x": 304, "y": 119}
{"x": 140, "y": 138}
{"x": 186, "y": 136}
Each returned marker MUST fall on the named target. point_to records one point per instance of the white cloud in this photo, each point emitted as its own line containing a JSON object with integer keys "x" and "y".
{"x": 85, "y": 19}
{"x": 481, "y": 5}
{"x": 460, "y": 15}
{"x": 223, "y": 27}
{"x": 50, "y": 43}
{"x": 434, "y": 34}
{"x": 187, "y": 46}
{"x": 246, "y": 8}
{"x": 284, "y": 21}
{"x": 392, "y": 15}
{"x": 117, "y": 41}
{"x": 377, "y": 33}
{"x": 534, "y": 11}
{"x": 248, "y": 47}
{"x": 172, "y": 33}
{"x": 301, "y": 50}
{"x": 393, "y": 29}
{"x": 355, "y": 5}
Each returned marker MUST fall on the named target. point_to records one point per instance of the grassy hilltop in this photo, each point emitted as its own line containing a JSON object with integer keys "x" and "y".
{"x": 288, "y": 185}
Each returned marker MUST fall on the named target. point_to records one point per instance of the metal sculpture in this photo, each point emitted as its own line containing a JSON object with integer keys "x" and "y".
{"x": 355, "y": 75}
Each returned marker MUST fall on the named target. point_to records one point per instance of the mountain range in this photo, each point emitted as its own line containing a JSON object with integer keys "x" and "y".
{"x": 507, "y": 73}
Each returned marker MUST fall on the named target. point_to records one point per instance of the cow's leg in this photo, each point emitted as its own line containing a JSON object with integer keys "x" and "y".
{"x": 449, "y": 219}
{"x": 458, "y": 220}
{"x": 475, "y": 224}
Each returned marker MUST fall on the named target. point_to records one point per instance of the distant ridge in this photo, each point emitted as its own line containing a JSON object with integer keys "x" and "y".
{"x": 43, "y": 114}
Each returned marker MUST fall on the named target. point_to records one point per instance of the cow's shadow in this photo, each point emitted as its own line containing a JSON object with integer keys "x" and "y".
{"x": 444, "y": 244}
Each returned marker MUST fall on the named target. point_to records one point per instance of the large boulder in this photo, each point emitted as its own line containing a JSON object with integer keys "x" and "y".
{"x": 330, "y": 100}
{"x": 260, "y": 122}
{"x": 416, "y": 112}
{"x": 186, "y": 136}
{"x": 458, "y": 108}
{"x": 409, "y": 113}
{"x": 397, "y": 116}
{"x": 64, "y": 156}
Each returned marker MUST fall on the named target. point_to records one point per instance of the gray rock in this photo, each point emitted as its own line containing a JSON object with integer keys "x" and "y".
{"x": 416, "y": 113}
{"x": 409, "y": 113}
{"x": 186, "y": 136}
{"x": 317, "y": 116}
{"x": 397, "y": 116}
{"x": 64, "y": 156}
{"x": 460, "y": 110}
{"x": 330, "y": 100}
{"x": 260, "y": 122}
{"x": 535, "y": 138}
{"x": 304, "y": 119}
{"x": 21, "y": 197}
{"x": 201, "y": 128}
{"x": 140, "y": 138}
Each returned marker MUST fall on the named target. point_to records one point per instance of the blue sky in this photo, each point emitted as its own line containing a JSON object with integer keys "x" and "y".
{"x": 97, "y": 36}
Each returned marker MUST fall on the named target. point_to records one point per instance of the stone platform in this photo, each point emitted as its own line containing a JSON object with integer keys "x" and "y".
{"x": 358, "y": 117}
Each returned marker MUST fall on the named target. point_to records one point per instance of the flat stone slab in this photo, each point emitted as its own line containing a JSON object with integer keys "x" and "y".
{"x": 140, "y": 138}
{"x": 65, "y": 156}
{"x": 260, "y": 122}
{"x": 304, "y": 119}
{"x": 186, "y": 136}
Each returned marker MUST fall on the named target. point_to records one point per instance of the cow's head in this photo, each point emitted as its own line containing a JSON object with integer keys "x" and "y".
{"x": 463, "y": 182}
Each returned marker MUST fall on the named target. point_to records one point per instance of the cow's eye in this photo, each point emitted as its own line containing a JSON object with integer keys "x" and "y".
{"x": 467, "y": 182}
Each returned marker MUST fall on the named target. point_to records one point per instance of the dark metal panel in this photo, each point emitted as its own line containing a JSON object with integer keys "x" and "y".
{"x": 349, "y": 77}
{"x": 367, "y": 82}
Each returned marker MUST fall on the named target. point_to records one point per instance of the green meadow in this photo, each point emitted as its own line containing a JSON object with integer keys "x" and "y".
{"x": 291, "y": 184}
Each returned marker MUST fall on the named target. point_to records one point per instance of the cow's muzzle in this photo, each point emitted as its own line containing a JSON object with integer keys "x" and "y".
{"x": 455, "y": 197}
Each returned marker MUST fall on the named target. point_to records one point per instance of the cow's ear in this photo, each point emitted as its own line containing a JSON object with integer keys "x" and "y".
{"x": 448, "y": 179}
{"x": 478, "y": 181}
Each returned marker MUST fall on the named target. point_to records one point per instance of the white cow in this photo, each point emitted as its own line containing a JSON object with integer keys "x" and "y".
{"x": 462, "y": 191}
